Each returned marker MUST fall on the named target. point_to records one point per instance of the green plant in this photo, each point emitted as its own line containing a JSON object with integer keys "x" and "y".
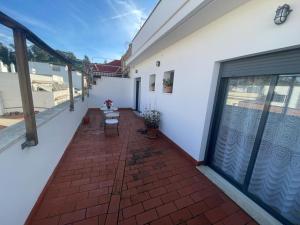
{"x": 152, "y": 86}
{"x": 168, "y": 82}
{"x": 151, "y": 118}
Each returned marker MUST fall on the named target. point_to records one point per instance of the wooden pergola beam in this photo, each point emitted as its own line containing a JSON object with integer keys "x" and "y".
{"x": 13, "y": 24}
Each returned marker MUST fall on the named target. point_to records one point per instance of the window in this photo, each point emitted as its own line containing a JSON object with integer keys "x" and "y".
{"x": 56, "y": 68}
{"x": 152, "y": 82}
{"x": 168, "y": 82}
{"x": 48, "y": 87}
{"x": 278, "y": 98}
{"x": 255, "y": 135}
{"x": 11, "y": 110}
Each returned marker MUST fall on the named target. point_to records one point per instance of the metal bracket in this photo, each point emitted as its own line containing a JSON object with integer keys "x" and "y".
{"x": 28, "y": 143}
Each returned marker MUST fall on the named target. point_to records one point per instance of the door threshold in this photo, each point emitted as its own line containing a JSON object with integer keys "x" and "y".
{"x": 254, "y": 210}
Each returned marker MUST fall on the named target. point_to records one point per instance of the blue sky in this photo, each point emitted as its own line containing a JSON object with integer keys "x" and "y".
{"x": 97, "y": 28}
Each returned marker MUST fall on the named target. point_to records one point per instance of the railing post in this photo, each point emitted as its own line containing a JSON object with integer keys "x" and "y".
{"x": 82, "y": 86}
{"x": 88, "y": 85}
{"x": 71, "y": 87}
{"x": 25, "y": 88}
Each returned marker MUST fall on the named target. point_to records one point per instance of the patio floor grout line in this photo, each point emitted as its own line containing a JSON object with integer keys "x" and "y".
{"x": 119, "y": 180}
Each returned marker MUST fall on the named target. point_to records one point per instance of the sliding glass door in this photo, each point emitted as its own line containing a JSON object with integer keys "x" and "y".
{"x": 242, "y": 111}
{"x": 276, "y": 175}
{"x": 256, "y": 140}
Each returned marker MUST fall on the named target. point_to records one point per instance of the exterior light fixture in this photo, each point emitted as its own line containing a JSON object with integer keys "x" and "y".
{"x": 136, "y": 71}
{"x": 282, "y": 14}
{"x": 158, "y": 63}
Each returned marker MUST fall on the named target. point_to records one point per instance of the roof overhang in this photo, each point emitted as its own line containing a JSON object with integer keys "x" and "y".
{"x": 184, "y": 24}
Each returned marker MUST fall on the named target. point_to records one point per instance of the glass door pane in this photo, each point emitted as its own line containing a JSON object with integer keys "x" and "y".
{"x": 276, "y": 175}
{"x": 244, "y": 103}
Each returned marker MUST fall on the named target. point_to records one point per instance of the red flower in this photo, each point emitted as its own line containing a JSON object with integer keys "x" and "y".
{"x": 108, "y": 102}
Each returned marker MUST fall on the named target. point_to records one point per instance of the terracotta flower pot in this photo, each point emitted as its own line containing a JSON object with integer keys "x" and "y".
{"x": 152, "y": 133}
{"x": 168, "y": 89}
{"x": 86, "y": 120}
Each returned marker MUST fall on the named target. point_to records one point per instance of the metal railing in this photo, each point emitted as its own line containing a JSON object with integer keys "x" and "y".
{"x": 20, "y": 35}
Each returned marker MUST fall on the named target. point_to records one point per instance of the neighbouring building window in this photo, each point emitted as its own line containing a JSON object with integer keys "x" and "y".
{"x": 152, "y": 82}
{"x": 168, "y": 82}
{"x": 55, "y": 68}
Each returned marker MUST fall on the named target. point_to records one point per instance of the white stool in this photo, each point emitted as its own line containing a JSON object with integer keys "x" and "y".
{"x": 107, "y": 111}
{"x": 112, "y": 123}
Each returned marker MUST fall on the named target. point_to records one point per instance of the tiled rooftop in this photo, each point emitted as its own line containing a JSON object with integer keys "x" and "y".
{"x": 131, "y": 180}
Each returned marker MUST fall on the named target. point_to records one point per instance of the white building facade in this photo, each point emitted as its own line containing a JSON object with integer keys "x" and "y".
{"x": 201, "y": 42}
{"x": 196, "y": 58}
{"x": 47, "y": 91}
{"x": 48, "y": 69}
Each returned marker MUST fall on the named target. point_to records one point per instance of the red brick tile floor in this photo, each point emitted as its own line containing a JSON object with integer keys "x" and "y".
{"x": 131, "y": 180}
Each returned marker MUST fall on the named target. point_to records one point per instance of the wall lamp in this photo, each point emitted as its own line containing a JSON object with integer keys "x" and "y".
{"x": 158, "y": 63}
{"x": 282, "y": 14}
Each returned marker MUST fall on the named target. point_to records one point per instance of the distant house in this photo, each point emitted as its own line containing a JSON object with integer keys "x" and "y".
{"x": 3, "y": 67}
{"x": 48, "y": 69}
{"x": 47, "y": 91}
{"x": 49, "y": 85}
{"x": 111, "y": 69}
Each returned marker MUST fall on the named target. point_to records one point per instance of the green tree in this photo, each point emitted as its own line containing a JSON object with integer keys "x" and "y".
{"x": 86, "y": 59}
{"x": 34, "y": 53}
{"x": 39, "y": 54}
{"x": 4, "y": 54}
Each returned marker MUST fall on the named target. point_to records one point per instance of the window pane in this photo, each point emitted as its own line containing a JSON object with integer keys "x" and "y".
{"x": 168, "y": 82}
{"x": 245, "y": 100}
{"x": 77, "y": 84}
{"x": 152, "y": 82}
{"x": 49, "y": 78}
{"x": 276, "y": 175}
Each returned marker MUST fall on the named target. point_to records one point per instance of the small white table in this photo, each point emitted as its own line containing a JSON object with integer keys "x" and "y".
{"x": 104, "y": 108}
{"x": 112, "y": 115}
{"x": 106, "y": 111}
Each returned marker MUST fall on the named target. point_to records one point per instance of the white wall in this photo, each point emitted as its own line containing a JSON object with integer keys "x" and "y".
{"x": 249, "y": 29}
{"x": 1, "y": 105}
{"x": 42, "y": 100}
{"x": 11, "y": 97}
{"x": 46, "y": 68}
{"x": 24, "y": 173}
{"x": 10, "y": 91}
{"x": 120, "y": 90}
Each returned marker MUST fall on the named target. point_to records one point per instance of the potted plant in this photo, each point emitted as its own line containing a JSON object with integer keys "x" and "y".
{"x": 152, "y": 86}
{"x": 108, "y": 103}
{"x": 86, "y": 119}
{"x": 168, "y": 85}
{"x": 151, "y": 120}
